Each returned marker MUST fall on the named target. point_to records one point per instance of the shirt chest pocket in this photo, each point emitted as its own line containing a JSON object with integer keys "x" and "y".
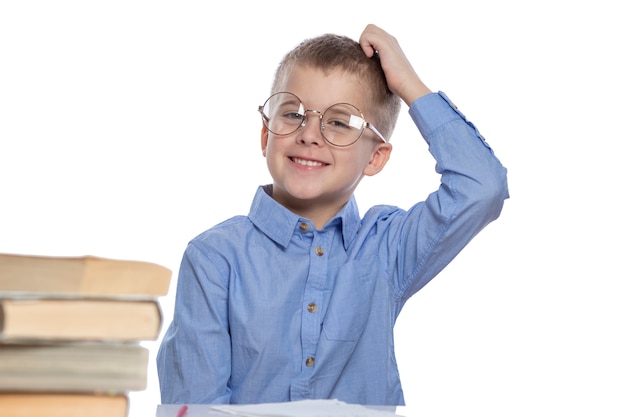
{"x": 350, "y": 304}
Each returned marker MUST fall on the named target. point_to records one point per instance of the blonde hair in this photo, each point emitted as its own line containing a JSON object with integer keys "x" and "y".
{"x": 330, "y": 52}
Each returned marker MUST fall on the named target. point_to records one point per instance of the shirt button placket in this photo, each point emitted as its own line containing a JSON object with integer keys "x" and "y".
{"x": 314, "y": 292}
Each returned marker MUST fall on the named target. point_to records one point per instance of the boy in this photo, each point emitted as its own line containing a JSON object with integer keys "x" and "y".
{"x": 298, "y": 299}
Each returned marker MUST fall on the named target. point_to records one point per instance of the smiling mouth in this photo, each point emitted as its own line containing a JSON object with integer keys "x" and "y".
{"x": 307, "y": 162}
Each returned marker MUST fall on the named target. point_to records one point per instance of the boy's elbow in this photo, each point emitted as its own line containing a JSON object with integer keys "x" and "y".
{"x": 491, "y": 193}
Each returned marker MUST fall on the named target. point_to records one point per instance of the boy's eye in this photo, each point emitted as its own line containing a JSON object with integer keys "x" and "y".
{"x": 294, "y": 115}
{"x": 341, "y": 117}
{"x": 337, "y": 124}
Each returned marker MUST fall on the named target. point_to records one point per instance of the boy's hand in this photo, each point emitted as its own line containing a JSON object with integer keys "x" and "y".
{"x": 402, "y": 79}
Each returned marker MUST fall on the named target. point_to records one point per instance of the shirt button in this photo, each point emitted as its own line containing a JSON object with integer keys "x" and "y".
{"x": 304, "y": 227}
{"x": 310, "y": 361}
{"x": 312, "y": 307}
{"x": 319, "y": 251}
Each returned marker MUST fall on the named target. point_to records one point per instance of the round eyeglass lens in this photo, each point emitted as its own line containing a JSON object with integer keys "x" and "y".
{"x": 283, "y": 113}
{"x": 342, "y": 124}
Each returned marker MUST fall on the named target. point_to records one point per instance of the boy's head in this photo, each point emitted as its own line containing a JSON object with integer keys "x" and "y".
{"x": 334, "y": 52}
{"x": 327, "y": 127}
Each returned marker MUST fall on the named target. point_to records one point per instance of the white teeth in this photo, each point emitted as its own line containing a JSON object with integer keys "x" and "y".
{"x": 307, "y": 163}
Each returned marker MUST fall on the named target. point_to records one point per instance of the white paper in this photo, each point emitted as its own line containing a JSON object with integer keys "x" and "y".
{"x": 303, "y": 408}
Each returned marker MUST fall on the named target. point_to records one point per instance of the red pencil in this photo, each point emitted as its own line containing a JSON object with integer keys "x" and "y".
{"x": 182, "y": 411}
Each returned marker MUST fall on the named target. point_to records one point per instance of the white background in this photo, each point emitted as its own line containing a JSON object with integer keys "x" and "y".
{"x": 128, "y": 127}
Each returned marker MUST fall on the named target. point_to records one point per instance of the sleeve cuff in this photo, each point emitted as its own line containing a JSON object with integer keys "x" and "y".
{"x": 432, "y": 111}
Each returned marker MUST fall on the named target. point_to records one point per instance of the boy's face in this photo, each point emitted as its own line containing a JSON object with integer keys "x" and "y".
{"x": 309, "y": 173}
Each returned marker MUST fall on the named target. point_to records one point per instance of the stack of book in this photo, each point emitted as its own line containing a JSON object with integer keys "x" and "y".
{"x": 71, "y": 330}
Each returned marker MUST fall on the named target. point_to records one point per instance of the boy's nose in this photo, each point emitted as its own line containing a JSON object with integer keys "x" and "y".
{"x": 311, "y": 130}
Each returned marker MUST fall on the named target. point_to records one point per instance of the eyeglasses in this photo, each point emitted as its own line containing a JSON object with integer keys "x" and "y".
{"x": 341, "y": 124}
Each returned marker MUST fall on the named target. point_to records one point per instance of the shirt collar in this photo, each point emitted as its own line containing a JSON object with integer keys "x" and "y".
{"x": 279, "y": 224}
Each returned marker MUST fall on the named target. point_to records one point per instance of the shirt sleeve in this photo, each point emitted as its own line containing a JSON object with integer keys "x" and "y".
{"x": 471, "y": 194}
{"x": 193, "y": 361}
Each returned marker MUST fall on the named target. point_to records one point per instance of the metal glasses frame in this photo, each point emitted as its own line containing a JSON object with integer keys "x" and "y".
{"x": 366, "y": 125}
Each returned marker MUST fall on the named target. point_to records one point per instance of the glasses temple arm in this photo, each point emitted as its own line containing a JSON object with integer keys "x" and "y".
{"x": 373, "y": 129}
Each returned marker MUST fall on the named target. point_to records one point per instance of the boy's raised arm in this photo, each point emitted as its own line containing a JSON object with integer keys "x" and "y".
{"x": 402, "y": 79}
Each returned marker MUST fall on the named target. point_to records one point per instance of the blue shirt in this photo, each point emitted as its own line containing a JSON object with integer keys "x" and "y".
{"x": 269, "y": 309}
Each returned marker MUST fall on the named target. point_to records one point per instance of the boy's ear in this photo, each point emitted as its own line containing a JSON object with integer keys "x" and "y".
{"x": 379, "y": 159}
{"x": 264, "y": 136}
